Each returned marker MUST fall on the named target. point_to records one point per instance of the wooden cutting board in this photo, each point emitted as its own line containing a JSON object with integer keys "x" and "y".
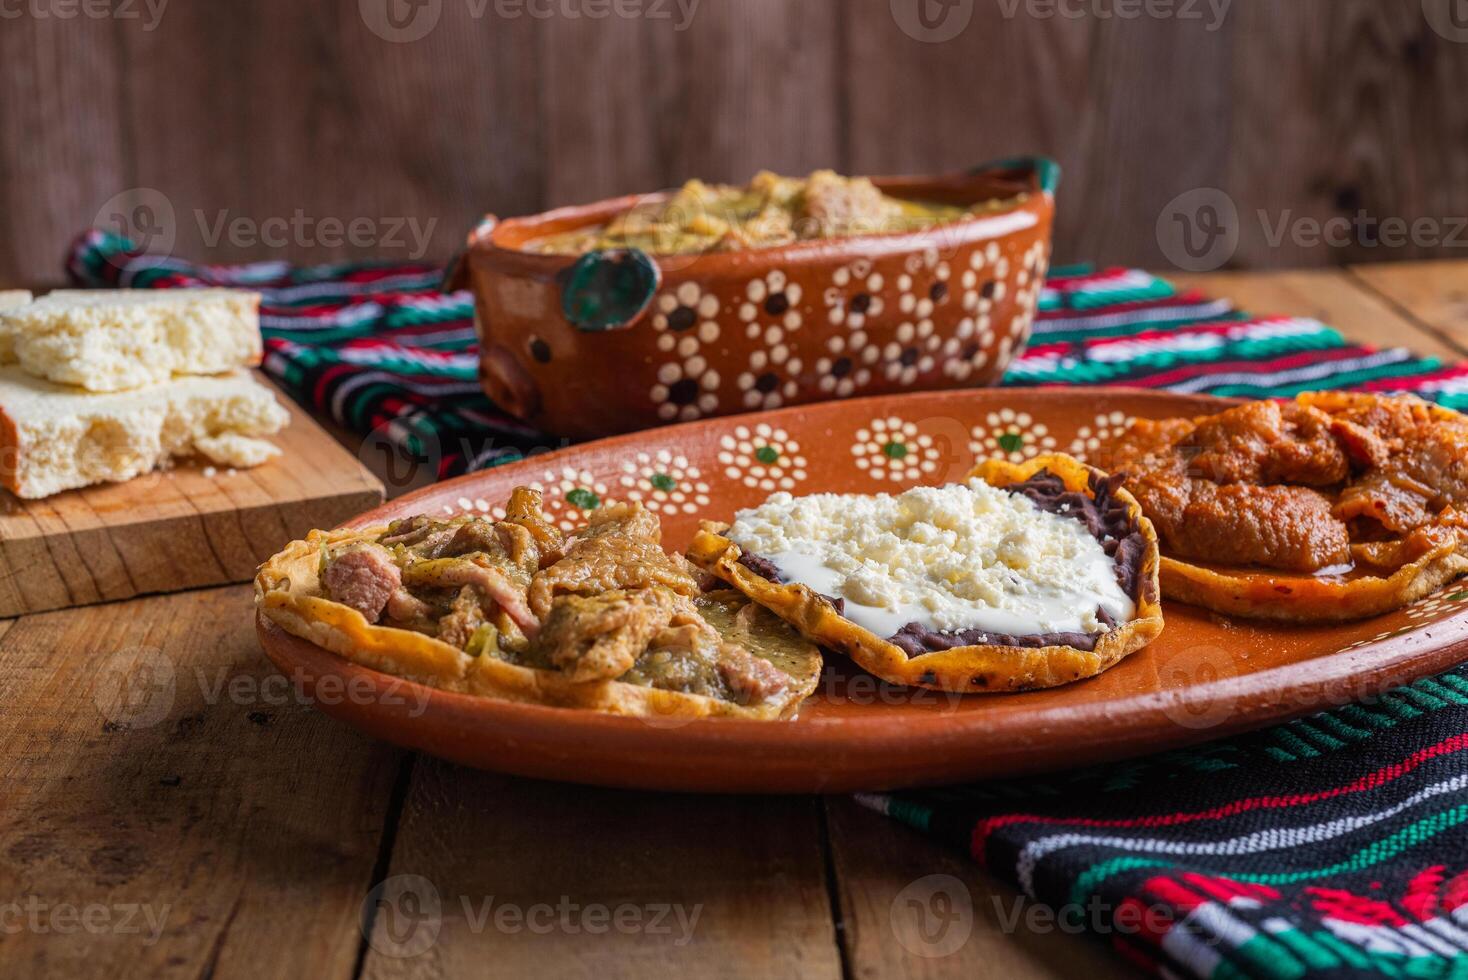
{"x": 191, "y": 526}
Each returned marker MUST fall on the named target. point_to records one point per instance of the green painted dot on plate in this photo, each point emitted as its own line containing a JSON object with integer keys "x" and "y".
{"x": 662, "y": 481}
{"x": 583, "y": 498}
{"x": 767, "y": 454}
{"x": 895, "y": 450}
{"x": 1011, "y": 442}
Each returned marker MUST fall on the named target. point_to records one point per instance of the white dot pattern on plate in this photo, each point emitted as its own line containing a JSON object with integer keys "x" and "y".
{"x": 1011, "y": 435}
{"x": 1104, "y": 426}
{"x": 893, "y": 450}
{"x": 664, "y": 482}
{"x": 762, "y": 457}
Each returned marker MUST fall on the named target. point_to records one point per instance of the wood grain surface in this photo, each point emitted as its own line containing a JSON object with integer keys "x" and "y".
{"x": 1344, "y": 302}
{"x": 913, "y": 907}
{"x": 266, "y": 112}
{"x": 190, "y": 526}
{"x": 1434, "y": 294}
{"x": 545, "y": 879}
{"x": 168, "y": 811}
{"x": 150, "y": 769}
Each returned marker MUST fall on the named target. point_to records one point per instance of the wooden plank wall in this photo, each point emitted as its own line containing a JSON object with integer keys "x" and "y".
{"x": 260, "y": 110}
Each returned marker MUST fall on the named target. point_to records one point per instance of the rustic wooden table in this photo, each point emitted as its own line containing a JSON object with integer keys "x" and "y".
{"x": 212, "y": 825}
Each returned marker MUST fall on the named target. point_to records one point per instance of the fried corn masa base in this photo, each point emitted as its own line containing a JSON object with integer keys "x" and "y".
{"x": 288, "y": 592}
{"x": 1285, "y": 598}
{"x": 970, "y": 669}
{"x": 1291, "y": 598}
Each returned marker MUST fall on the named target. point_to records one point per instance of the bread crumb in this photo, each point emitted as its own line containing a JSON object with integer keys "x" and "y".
{"x": 234, "y": 450}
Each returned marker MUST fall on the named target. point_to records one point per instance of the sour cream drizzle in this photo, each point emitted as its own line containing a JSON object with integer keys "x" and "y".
{"x": 963, "y": 556}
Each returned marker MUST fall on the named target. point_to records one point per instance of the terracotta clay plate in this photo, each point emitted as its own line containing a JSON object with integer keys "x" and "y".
{"x": 1206, "y": 677}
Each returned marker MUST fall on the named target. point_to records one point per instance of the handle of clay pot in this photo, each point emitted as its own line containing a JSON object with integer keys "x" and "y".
{"x": 456, "y": 273}
{"x": 1046, "y": 170}
{"x": 609, "y": 289}
{"x": 505, "y": 381}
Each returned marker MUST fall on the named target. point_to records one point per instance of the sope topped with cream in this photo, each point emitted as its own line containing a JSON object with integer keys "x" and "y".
{"x": 957, "y": 557}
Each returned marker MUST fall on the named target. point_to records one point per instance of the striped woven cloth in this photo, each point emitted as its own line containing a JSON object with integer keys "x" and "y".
{"x": 1333, "y": 846}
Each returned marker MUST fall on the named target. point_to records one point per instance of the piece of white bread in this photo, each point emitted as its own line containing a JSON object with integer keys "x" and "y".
{"x": 55, "y": 438}
{"x": 114, "y": 340}
{"x": 9, "y": 300}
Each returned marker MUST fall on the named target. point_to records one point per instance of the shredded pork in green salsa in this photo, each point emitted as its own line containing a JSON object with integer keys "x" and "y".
{"x": 604, "y": 603}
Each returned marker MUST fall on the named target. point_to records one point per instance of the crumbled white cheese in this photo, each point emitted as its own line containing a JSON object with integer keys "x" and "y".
{"x": 963, "y": 556}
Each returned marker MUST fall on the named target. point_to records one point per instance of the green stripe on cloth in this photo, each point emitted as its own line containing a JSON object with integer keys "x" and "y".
{"x": 1367, "y": 857}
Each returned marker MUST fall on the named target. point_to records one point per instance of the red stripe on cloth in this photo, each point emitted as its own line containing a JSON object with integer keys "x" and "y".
{"x": 1447, "y": 746}
{"x": 375, "y": 273}
{"x": 1060, "y": 348}
{"x": 1144, "y": 919}
{"x": 376, "y": 343}
{"x": 1420, "y": 901}
{"x": 1190, "y": 298}
{"x": 1175, "y": 893}
{"x": 1111, "y": 274}
{"x": 1135, "y": 956}
{"x": 1221, "y": 889}
{"x": 1302, "y": 359}
{"x": 1455, "y": 893}
{"x": 1345, "y": 906}
{"x": 324, "y": 380}
{"x": 1448, "y": 373}
{"x": 318, "y": 311}
{"x": 1187, "y": 330}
